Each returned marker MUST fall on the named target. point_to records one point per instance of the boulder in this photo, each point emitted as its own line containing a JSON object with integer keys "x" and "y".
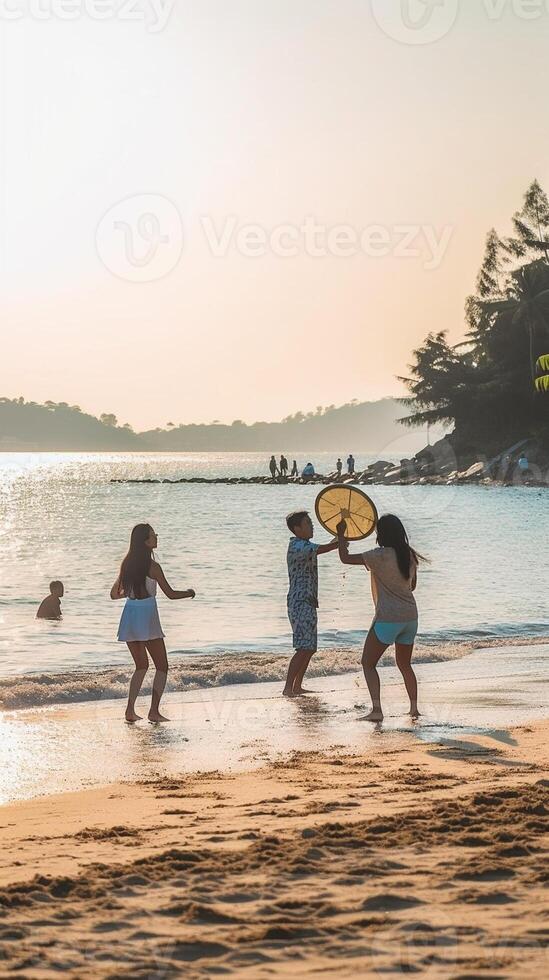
{"x": 475, "y": 472}
{"x": 393, "y": 476}
{"x": 380, "y": 466}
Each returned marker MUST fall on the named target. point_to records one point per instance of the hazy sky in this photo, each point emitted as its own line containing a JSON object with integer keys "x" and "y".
{"x": 294, "y": 117}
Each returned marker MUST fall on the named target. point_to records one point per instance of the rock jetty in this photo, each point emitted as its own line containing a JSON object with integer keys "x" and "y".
{"x": 434, "y": 465}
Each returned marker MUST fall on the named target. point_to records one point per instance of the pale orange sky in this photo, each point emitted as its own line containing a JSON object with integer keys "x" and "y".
{"x": 269, "y": 113}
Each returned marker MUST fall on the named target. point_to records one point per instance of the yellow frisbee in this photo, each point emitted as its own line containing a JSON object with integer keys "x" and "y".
{"x": 336, "y": 503}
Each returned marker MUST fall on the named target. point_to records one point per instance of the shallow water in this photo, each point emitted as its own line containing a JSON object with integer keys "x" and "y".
{"x": 54, "y": 750}
{"x": 63, "y": 518}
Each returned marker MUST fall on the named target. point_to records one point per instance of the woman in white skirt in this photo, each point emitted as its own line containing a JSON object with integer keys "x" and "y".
{"x": 140, "y": 624}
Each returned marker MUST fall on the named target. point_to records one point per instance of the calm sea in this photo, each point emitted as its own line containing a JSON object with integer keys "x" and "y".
{"x": 63, "y": 518}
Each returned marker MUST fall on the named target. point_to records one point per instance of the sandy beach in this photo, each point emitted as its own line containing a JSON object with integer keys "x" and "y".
{"x": 399, "y": 850}
{"x": 423, "y": 860}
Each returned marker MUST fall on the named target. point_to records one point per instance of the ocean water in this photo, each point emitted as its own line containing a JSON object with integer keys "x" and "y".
{"x": 61, "y": 517}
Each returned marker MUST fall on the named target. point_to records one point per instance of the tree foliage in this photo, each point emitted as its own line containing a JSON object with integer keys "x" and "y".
{"x": 484, "y": 385}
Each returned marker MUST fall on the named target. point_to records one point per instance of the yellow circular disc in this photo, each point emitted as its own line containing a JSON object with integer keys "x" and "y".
{"x": 336, "y": 503}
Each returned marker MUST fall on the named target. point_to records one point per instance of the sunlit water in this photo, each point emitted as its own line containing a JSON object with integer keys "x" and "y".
{"x": 63, "y": 518}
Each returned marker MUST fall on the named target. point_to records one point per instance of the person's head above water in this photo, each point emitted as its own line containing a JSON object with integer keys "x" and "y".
{"x": 391, "y": 533}
{"x": 57, "y": 589}
{"x": 137, "y": 563}
{"x": 300, "y": 524}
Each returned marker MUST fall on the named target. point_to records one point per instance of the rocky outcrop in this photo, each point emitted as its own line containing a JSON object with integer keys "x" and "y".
{"x": 434, "y": 465}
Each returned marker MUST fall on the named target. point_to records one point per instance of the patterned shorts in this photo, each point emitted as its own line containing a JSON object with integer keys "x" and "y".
{"x": 304, "y": 622}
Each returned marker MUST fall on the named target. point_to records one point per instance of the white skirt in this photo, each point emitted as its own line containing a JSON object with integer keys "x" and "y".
{"x": 140, "y": 621}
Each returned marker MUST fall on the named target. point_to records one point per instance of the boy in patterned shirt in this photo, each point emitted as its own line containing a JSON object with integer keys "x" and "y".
{"x": 303, "y": 597}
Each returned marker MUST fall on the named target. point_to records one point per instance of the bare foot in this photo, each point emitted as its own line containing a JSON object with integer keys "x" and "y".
{"x": 155, "y": 716}
{"x": 375, "y": 715}
{"x": 414, "y": 713}
{"x": 303, "y": 690}
{"x": 131, "y": 717}
{"x": 288, "y": 694}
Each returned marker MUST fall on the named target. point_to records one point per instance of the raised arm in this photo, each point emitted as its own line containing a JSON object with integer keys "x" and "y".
{"x": 343, "y": 546}
{"x": 158, "y": 575}
{"x": 325, "y": 549}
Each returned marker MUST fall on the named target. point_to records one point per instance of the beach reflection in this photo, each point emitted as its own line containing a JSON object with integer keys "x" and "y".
{"x": 311, "y": 713}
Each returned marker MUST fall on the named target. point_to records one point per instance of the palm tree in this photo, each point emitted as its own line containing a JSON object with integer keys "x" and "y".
{"x": 526, "y": 305}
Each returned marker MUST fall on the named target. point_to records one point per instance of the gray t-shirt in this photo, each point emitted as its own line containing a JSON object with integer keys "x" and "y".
{"x": 392, "y": 593}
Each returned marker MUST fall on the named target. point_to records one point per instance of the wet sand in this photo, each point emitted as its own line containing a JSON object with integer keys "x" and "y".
{"x": 261, "y": 837}
{"x": 406, "y": 858}
{"x": 242, "y": 727}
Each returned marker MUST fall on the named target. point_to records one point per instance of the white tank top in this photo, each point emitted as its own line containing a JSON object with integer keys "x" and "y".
{"x": 150, "y": 585}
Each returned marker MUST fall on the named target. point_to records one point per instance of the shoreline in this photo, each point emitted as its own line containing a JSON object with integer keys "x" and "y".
{"x": 241, "y": 727}
{"x": 406, "y": 857}
{"x": 208, "y": 671}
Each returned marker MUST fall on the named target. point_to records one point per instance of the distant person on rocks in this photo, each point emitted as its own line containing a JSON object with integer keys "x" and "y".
{"x": 524, "y": 466}
{"x": 351, "y": 465}
{"x": 303, "y": 597}
{"x": 295, "y": 471}
{"x": 339, "y": 468}
{"x": 505, "y": 467}
{"x": 308, "y": 471}
{"x": 283, "y": 466}
{"x": 50, "y": 607}
{"x": 273, "y": 467}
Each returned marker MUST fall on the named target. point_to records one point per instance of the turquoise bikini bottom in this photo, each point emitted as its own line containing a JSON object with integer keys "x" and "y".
{"x": 390, "y": 633}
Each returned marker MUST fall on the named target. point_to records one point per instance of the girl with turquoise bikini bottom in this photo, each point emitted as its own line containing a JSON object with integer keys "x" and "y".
{"x": 393, "y": 569}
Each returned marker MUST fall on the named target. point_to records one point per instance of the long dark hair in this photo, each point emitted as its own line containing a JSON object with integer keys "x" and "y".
{"x": 391, "y": 533}
{"x": 137, "y": 563}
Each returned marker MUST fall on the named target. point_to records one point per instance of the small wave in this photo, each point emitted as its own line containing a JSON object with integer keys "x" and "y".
{"x": 205, "y": 672}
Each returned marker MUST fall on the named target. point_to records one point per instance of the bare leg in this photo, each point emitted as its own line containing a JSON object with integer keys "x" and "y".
{"x": 157, "y": 650}
{"x": 373, "y": 651}
{"x": 139, "y": 654}
{"x": 298, "y": 682}
{"x": 404, "y": 664}
{"x": 296, "y": 672}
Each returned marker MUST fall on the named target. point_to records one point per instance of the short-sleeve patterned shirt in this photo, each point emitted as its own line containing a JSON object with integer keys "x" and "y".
{"x": 302, "y": 572}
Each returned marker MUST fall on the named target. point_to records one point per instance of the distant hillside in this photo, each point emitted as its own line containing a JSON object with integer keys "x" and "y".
{"x": 360, "y": 427}
{"x": 28, "y": 426}
{"x": 368, "y": 426}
